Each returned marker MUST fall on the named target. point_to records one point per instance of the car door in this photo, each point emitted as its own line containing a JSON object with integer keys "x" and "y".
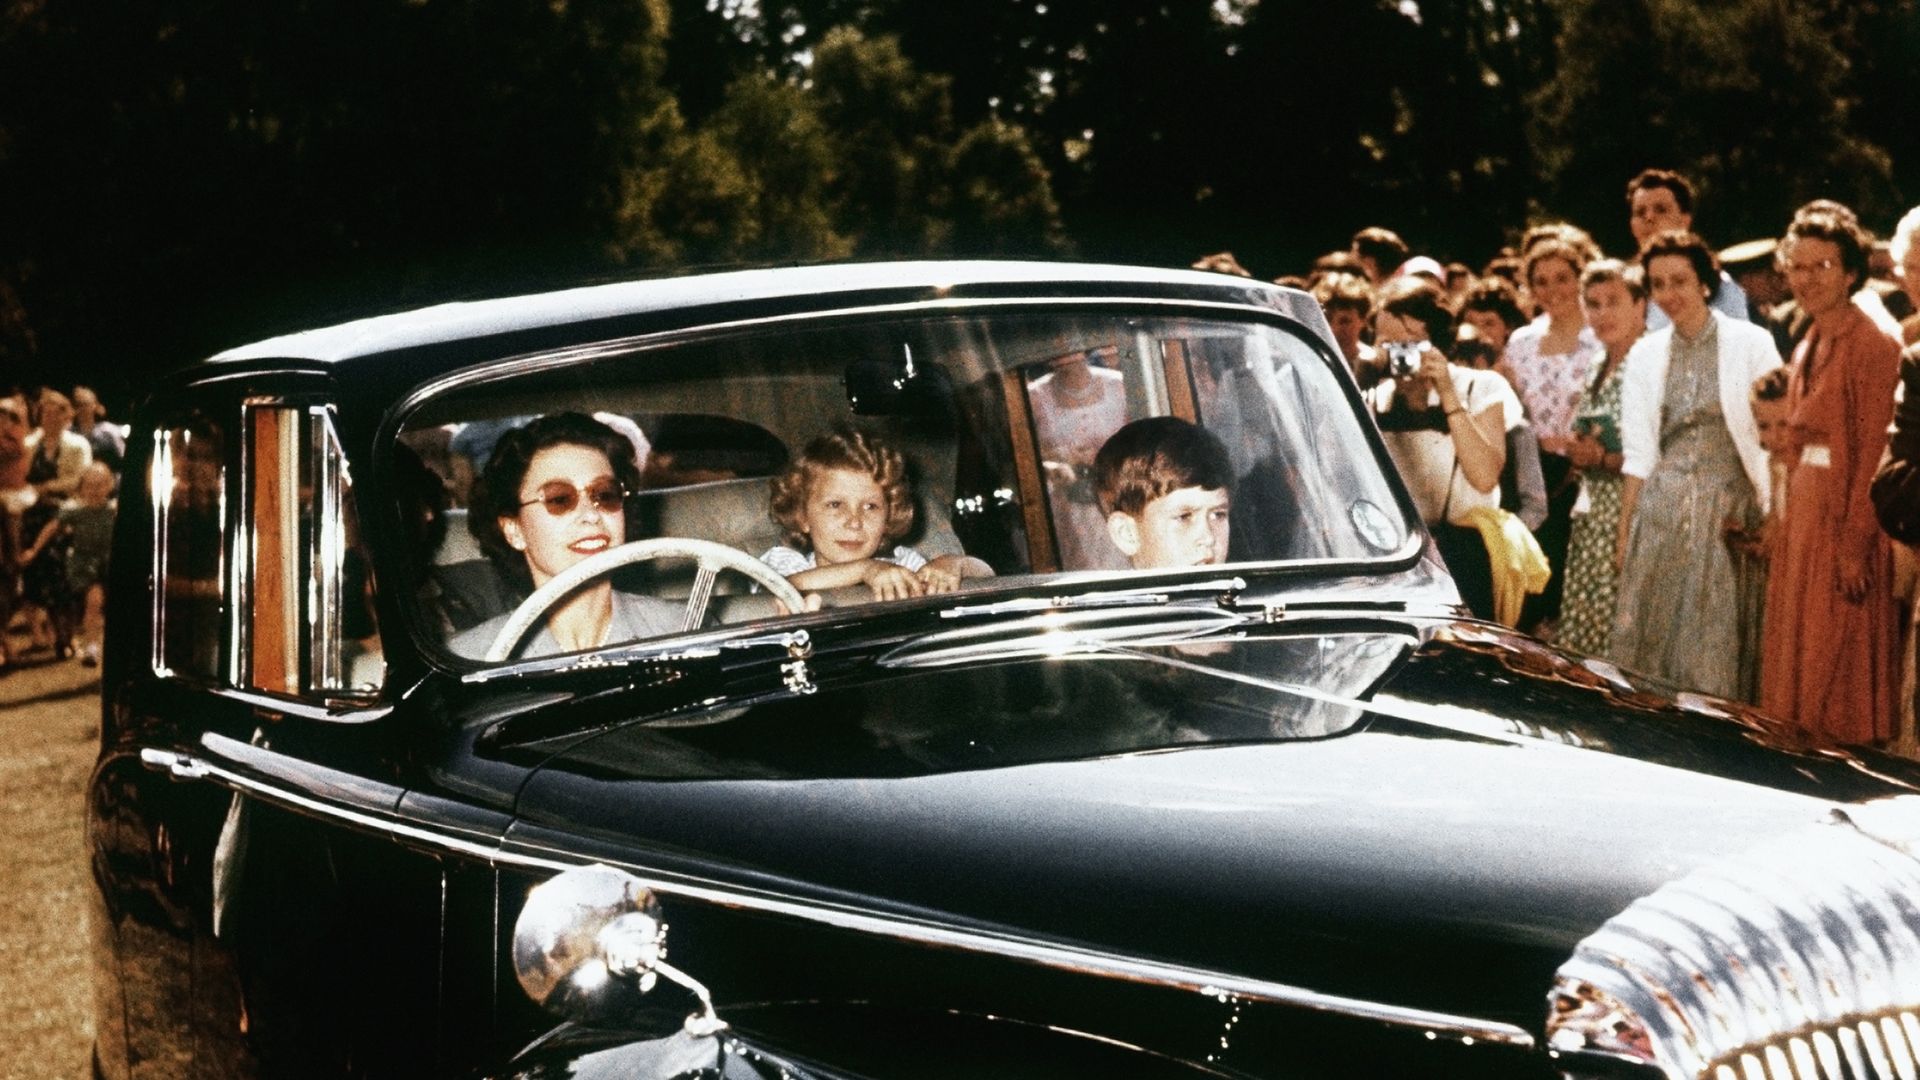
{"x": 270, "y": 896}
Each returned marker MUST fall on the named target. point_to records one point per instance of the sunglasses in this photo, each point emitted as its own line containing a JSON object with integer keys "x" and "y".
{"x": 560, "y": 497}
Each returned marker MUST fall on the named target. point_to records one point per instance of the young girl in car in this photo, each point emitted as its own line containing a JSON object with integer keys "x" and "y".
{"x": 844, "y": 503}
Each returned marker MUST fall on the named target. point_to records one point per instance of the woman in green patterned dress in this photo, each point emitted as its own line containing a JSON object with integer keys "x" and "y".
{"x": 1615, "y": 299}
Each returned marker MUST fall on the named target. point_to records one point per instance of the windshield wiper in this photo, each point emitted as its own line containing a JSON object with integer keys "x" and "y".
{"x": 1062, "y": 625}
{"x": 1225, "y": 590}
{"x": 797, "y": 644}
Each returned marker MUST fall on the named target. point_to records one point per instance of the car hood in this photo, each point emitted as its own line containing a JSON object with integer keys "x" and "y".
{"x": 1419, "y": 816}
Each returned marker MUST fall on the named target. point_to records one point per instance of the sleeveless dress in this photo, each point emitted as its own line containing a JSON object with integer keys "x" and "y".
{"x": 1689, "y": 610}
{"x": 1586, "y": 609}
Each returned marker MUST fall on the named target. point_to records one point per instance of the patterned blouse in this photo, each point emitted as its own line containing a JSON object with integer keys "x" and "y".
{"x": 1550, "y": 383}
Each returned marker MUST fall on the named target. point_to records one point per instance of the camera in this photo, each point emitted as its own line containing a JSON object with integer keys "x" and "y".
{"x": 1403, "y": 357}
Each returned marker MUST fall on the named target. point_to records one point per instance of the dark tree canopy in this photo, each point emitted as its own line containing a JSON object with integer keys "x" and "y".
{"x": 1749, "y": 97}
{"x": 183, "y": 176}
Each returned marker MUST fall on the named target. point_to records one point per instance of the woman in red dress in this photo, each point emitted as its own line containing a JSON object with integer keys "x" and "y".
{"x": 1830, "y": 648}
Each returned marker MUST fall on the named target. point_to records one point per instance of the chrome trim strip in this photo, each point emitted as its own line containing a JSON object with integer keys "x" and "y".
{"x": 191, "y": 766}
{"x": 526, "y": 856}
{"x": 159, "y": 504}
{"x": 529, "y": 363}
{"x": 1087, "y": 961}
{"x": 328, "y": 551}
{"x": 352, "y": 712}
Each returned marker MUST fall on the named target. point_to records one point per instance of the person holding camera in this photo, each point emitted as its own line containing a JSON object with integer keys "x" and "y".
{"x": 1444, "y": 425}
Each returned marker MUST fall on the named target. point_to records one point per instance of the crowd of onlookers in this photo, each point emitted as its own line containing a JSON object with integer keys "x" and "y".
{"x": 60, "y": 460}
{"x": 1678, "y": 460}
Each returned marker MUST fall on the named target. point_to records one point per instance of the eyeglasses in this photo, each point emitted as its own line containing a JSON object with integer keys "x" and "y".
{"x": 560, "y": 497}
{"x": 1806, "y": 267}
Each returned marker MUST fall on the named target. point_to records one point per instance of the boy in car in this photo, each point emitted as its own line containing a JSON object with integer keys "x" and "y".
{"x": 1166, "y": 487}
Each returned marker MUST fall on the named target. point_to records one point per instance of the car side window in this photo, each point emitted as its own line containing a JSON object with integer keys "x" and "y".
{"x": 309, "y": 629}
{"x": 187, "y": 488}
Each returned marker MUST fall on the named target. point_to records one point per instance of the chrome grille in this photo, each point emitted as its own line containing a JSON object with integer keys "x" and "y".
{"x": 1884, "y": 1049}
{"x": 1798, "y": 960}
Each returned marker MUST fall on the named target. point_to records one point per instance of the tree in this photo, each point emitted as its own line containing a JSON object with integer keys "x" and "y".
{"x": 1748, "y": 97}
{"x": 185, "y": 174}
{"x": 1881, "y": 42}
{"x": 749, "y": 185}
{"x": 1002, "y": 201}
{"x": 865, "y": 157}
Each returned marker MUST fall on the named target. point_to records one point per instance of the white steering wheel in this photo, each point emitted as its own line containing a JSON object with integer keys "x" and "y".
{"x": 711, "y": 557}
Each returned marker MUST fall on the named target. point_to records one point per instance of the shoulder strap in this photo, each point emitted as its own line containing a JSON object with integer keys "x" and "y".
{"x": 1466, "y": 405}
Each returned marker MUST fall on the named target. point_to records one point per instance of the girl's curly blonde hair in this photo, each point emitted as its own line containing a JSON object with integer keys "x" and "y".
{"x": 854, "y": 451}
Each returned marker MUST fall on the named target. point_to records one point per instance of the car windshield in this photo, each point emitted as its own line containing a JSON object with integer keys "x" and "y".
{"x": 1022, "y": 445}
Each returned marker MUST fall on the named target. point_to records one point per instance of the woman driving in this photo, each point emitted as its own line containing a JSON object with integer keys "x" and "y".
{"x": 552, "y": 494}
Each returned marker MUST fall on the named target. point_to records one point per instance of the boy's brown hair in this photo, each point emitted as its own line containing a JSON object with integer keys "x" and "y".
{"x": 1348, "y": 291}
{"x": 1772, "y": 386}
{"x": 1149, "y": 458}
{"x": 854, "y": 451}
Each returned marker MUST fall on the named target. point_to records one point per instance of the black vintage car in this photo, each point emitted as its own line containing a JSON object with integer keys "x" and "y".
{"x": 1067, "y": 801}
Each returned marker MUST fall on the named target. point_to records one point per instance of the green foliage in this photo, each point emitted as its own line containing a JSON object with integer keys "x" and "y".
{"x": 862, "y": 158}
{"x": 774, "y": 129}
{"x": 892, "y": 125}
{"x": 182, "y": 174}
{"x": 189, "y": 172}
{"x": 1749, "y": 97}
{"x": 1001, "y": 203}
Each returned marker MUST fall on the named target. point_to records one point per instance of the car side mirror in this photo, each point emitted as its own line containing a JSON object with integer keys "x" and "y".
{"x": 905, "y": 387}
{"x": 591, "y": 943}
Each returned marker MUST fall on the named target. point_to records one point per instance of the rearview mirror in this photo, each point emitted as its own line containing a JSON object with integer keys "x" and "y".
{"x": 901, "y": 387}
{"x": 591, "y": 943}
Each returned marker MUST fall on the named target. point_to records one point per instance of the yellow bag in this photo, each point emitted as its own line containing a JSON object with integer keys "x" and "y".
{"x": 1519, "y": 566}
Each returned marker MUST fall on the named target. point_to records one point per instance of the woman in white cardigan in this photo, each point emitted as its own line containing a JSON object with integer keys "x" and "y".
{"x": 1696, "y": 477}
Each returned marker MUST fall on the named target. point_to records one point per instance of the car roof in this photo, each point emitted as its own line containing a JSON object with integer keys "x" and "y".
{"x": 846, "y": 283}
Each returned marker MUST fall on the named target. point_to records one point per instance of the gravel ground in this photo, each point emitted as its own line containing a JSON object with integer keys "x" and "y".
{"x": 49, "y": 727}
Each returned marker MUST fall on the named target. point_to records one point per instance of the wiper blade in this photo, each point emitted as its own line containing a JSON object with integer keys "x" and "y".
{"x": 796, "y": 644}
{"x": 1225, "y": 590}
{"x": 1062, "y": 631}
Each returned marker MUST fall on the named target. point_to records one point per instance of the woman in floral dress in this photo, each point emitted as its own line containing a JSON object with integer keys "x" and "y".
{"x": 1614, "y": 297}
{"x": 1547, "y": 362}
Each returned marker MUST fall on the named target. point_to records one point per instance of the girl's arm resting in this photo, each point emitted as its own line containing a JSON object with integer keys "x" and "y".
{"x": 965, "y": 566}
{"x": 944, "y": 573}
{"x": 832, "y": 576}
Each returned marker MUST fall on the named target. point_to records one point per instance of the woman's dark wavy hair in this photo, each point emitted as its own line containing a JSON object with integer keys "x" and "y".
{"x": 1416, "y": 298}
{"x": 1496, "y": 296}
{"x": 496, "y": 493}
{"x": 1690, "y": 247}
